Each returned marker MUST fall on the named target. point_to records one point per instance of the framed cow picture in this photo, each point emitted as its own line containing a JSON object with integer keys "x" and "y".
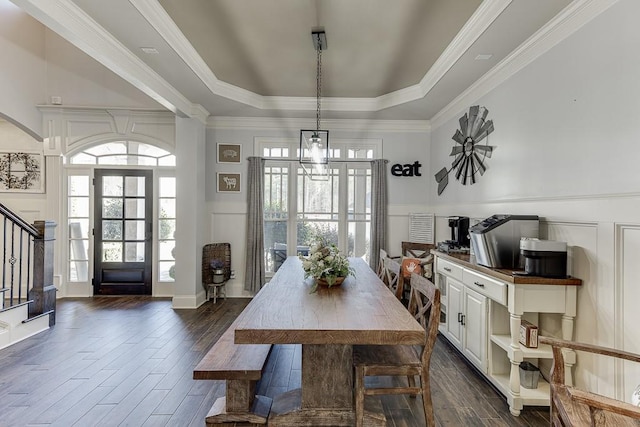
{"x": 229, "y": 153}
{"x": 228, "y": 182}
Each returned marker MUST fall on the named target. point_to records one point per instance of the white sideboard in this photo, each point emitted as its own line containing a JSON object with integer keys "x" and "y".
{"x": 481, "y": 313}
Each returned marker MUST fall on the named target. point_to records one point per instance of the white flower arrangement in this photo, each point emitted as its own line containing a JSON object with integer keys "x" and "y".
{"x": 325, "y": 262}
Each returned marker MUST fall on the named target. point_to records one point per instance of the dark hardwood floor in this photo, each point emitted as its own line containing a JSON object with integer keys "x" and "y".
{"x": 128, "y": 361}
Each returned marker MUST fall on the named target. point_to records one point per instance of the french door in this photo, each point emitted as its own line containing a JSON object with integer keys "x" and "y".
{"x": 123, "y": 232}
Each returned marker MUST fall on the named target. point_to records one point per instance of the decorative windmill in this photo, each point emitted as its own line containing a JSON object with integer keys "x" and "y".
{"x": 469, "y": 154}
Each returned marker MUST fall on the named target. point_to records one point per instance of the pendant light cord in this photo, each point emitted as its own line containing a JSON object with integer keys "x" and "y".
{"x": 318, "y": 82}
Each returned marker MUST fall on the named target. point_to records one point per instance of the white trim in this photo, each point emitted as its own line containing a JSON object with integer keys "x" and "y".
{"x": 71, "y": 22}
{"x": 266, "y": 123}
{"x": 568, "y": 21}
{"x": 481, "y": 19}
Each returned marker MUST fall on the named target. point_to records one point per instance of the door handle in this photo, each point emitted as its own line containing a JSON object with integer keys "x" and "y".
{"x": 478, "y": 284}
{"x": 463, "y": 316}
{"x": 459, "y": 317}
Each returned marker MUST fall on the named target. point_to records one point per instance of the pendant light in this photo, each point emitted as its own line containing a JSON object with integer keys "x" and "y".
{"x": 314, "y": 143}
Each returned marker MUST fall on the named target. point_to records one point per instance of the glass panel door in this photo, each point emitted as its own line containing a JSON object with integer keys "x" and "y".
{"x": 122, "y": 233}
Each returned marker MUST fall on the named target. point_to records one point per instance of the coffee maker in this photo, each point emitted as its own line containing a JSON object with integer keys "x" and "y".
{"x": 459, "y": 230}
{"x": 459, "y": 242}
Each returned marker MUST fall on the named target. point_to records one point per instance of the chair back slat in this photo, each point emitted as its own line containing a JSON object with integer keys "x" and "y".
{"x": 392, "y": 275}
{"x": 424, "y": 305}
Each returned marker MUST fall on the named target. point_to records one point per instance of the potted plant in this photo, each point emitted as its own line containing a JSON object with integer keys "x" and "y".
{"x": 217, "y": 268}
{"x": 326, "y": 265}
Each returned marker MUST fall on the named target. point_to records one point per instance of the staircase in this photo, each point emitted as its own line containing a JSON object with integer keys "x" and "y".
{"x": 27, "y": 294}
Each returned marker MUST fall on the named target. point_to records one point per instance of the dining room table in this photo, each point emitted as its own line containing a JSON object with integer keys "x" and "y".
{"x": 327, "y": 322}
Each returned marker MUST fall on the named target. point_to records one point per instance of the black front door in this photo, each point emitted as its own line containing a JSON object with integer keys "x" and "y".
{"x": 122, "y": 233}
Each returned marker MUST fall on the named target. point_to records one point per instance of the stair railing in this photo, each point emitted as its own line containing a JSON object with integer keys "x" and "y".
{"x": 27, "y": 265}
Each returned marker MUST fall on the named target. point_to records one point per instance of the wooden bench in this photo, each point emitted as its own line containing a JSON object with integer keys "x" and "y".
{"x": 573, "y": 407}
{"x": 241, "y": 366}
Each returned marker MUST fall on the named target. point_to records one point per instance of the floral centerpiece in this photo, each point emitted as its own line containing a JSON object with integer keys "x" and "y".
{"x": 326, "y": 264}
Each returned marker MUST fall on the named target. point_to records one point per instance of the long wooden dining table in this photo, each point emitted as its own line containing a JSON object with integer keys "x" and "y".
{"x": 327, "y": 323}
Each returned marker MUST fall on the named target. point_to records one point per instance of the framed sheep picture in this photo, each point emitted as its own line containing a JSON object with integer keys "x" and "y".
{"x": 228, "y": 182}
{"x": 229, "y": 153}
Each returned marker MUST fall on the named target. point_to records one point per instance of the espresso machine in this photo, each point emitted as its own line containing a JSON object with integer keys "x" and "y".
{"x": 459, "y": 242}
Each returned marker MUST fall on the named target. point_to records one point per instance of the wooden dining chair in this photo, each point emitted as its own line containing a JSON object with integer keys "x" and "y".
{"x": 402, "y": 360}
{"x": 381, "y": 269}
{"x": 392, "y": 275}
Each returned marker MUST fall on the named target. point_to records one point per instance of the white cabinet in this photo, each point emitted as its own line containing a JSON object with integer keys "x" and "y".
{"x": 474, "y": 322}
{"x": 467, "y": 327}
{"x": 483, "y": 310}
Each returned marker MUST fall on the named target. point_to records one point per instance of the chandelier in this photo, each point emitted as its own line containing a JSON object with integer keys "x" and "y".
{"x": 314, "y": 143}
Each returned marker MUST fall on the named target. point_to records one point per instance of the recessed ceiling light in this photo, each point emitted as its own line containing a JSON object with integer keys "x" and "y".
{"x": 150, "y": 50}
{"x": 483, "y": 57}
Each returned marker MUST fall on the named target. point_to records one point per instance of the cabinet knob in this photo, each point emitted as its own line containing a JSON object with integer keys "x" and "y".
{"x": 447, "y": 269}
{"x": 462, "y": 319}
{"x": 478, "y": 284}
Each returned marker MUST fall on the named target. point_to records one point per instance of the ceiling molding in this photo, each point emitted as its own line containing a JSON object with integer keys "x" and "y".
{"x": 568, "y": 21}
{"x": 72, "y": 23}
{"x": 481, "y": 19}
{"x": 200, "y": 113}
{"x": 265, "y": 123}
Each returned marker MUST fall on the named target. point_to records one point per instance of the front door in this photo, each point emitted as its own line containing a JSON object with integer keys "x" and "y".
{"x": 123, "y": 221}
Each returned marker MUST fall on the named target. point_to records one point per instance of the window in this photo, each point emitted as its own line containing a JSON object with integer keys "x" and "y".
{"x": 78, "y": 223}
{"x": 167, "y": 227}
{"x": 298, "y": 209}
{"x": 124, "y": 153}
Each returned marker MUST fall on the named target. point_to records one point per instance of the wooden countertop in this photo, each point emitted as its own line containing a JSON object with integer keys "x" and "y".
{"x": 505, "y": 275}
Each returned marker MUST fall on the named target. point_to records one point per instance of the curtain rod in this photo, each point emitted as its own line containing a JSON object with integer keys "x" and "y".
{"x": 330, "y": 161}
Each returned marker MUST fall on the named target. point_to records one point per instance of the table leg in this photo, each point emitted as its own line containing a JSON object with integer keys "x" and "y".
{"x": 326, "y": 397}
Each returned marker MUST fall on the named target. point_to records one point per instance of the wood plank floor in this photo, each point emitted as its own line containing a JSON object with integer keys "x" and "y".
{"x": 128, "y": 361}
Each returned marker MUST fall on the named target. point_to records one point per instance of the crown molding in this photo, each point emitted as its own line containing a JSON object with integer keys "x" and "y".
{"x": 568, "y": 21}
{"x": 269, "y": 123}
{"x": 72, "y": 23}
{"x": 200, "y": 113}
{"x": 481, "y": 19}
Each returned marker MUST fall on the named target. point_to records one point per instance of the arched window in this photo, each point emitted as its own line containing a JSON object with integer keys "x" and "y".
{"x": 124, "y": 153}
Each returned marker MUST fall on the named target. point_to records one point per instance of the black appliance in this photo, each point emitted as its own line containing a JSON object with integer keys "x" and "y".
{"x": 459, "y": 230}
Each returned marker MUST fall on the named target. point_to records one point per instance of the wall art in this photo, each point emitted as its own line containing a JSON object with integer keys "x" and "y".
{"x": 228, "y": 182}
{"x": 229, "y": 153}
{"x": 21, "y": 172}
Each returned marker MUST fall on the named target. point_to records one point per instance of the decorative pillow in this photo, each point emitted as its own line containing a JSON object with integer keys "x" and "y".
{"x": 410, "y": 265}
{"x": 422, "y": 266}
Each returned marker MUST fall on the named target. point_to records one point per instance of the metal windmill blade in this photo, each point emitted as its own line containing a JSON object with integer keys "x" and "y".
{"x": 484, "y": 131}
{"x": 479, "y": 122}
{"x": 486, "y": 149}
{"x": 473, "y": 115}
{"x": 472, "y": 175}
{"x": 481, "y": 167}
{"x": 442, "y": 178}
{"x": 458, "y": 137}
{"x": 463, "y": 125}
{"x": 456, "y": 149}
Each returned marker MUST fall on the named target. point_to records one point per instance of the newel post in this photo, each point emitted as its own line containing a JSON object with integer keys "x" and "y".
{"x": 43, "y": 293}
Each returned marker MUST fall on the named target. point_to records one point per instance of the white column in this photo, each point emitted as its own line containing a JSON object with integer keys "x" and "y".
{"x": 190, "y": 198}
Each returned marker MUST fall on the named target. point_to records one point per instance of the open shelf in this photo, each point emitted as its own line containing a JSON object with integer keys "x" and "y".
{"x": 529, "y": 397}
{"x": 504, "y": 342}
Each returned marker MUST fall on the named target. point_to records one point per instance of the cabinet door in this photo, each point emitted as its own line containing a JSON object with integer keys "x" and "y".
{"x": 474, "y": 341}
{"x": 454, "y": 307}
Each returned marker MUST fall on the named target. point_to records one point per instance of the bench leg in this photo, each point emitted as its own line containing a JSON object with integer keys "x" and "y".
{"x": 240, "y": 405}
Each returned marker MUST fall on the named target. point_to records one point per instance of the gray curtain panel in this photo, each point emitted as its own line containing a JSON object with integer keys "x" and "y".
{"x": 254, "y": 273}
{"x": 378, "y": 210}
